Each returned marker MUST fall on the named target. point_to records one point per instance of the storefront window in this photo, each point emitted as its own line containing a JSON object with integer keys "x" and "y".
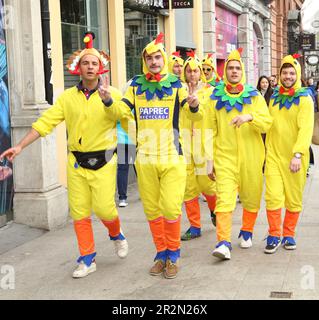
{"x": 6, "y": 179}
{"x": 226, "y": 35}
{"x": 140, "y": 28}
{"x": 78, "y": 17}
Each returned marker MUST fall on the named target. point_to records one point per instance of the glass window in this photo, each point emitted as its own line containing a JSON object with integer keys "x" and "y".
{"x": 140, "y": 29}
{"x": 78, "y": 17}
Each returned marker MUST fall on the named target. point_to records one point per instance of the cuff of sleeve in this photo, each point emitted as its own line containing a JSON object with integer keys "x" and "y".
{"x": 194, "y": 110}
{"x": 108, "y": 103}
{"x": 38, "y": 129}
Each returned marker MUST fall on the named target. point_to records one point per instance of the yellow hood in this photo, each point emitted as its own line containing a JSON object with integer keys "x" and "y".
{"x": 235, "y": 55}
{"x": 154, "y": 46}
{"x": 209, "y": 61}
{"x": 292, "y": 59}
{"x": 194, "y": 62}
{"x": 174, "y": 58}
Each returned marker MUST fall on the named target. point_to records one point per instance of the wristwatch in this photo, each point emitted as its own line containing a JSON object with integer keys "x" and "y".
{"x": 297, "y": 155}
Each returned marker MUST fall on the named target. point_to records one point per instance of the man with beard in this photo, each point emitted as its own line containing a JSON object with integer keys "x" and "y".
{"x": 287, "y": 159}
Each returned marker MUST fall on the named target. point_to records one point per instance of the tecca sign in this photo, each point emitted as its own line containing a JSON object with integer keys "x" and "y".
{"x": 179, "y": 4}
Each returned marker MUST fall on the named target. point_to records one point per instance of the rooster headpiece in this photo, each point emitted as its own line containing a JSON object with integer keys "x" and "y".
{"x": 155, "y": 46}
{"x": 193, "y": 62}
{"x": 292, "y": 60}
{"x": 74, "y": 61}
{"x": 235, "y": 55}
{"x": 175, "y": 58}
{"x": 208, "y": 60}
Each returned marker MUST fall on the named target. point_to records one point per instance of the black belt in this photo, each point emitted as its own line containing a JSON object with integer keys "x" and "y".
{"x": 93, "y": 160}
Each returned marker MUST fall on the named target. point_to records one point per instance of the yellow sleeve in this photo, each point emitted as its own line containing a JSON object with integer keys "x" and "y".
{"x": 50, "y": 118}
{"x": 127, "y": 103}
{"x": 117, "y": 109}
{"x": 305, "y": 124}
{"x": 262, "y": 119}
{"x": 192, "y": 114}
{"x": 210, "y": 125}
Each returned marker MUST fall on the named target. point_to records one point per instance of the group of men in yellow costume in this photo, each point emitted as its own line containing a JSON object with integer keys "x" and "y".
{"x": 194, "y": 134}
{"x": 238, "y": 115}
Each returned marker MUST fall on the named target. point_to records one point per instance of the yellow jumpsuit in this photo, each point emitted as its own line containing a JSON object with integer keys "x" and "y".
{"x": 238, "y": 155}
{"x": 160, "y": 162}
{"x": 290, "y": 133}
{"x": 90, "y": 127}
{"x": 196, "y": 139}
{"x": 293, "y": 112}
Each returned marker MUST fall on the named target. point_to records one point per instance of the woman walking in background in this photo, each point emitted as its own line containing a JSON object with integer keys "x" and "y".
{"x": 264, "y": 88}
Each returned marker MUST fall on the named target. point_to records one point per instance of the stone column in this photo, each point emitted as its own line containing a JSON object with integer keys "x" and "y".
{"x": 198, "y": 27}
{"x": 39, "y": 200}
{"x": 267, "y": 47}
{"x": 245, "y": 40}
{"x": 209, "y": 27}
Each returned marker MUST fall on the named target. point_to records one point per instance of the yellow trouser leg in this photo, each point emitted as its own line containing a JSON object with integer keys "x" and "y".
{"x": 224, "y": 226}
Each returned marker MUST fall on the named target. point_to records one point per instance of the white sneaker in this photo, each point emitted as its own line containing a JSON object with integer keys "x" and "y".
{"x": 123, "y": 203}
{"x": 121, "y": 248}
{"x": 83, "y": 270}
{"x": 246, "y": 244}
{"x": 222, "y": 252}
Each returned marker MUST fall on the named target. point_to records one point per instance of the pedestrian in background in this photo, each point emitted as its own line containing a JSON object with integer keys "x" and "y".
{"x": 273, "y": 81}
{"x": 264, "y": 87}
{"x": 126, "y": 152}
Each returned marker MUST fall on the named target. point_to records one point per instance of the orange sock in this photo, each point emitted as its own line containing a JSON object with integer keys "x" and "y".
{"x": 173, "y": 233}
{"x": 290, "y": 223}
{"x": 113, "y": 226}
{"x": 211, "y": 201}
{"x": 274, "y": 222}
{"x": 158, "y": 233}
{"x": 224, "y": 226}
{"x": 193, "y": 212}
{"x": 249, "y": 219}
{"x": 84, "y": 233}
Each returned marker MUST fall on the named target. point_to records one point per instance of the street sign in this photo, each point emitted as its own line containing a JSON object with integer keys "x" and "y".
{"x": 308, "y": 41}
{"x": 179, "y": 4}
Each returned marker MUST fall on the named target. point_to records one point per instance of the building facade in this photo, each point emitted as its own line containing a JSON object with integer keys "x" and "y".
{"x": 38, "y": 37}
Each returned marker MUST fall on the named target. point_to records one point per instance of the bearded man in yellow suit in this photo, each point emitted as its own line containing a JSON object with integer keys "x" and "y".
{"x": 238, "y": 115}
{"x": 287, "y": 143}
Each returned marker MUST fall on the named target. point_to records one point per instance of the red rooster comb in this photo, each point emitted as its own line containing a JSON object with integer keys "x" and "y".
{"x": 240, "y": 50}
{"x": 159, "y": 38}
{"x": 210, "y": 55}
{"x": 88, "y": 40}
{"x": 177, "y": 54}
{"x": 296, "y": 55}
{"x": 191, "y": 53}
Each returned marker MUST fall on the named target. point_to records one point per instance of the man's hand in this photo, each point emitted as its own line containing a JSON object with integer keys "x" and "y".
{"x": 192, "y": 98}
{"x": 104, "y": 89}
{"x": 211, "y": 170}
{"x": 239, "y": 120}
{"x": 295, "y": 165}
{"x": 11, "y": 153}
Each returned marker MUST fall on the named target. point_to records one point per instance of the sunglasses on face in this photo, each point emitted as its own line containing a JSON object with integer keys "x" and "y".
{"x": 207, "y": 69}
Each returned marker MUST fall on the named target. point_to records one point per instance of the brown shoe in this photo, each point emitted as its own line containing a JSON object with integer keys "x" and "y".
{"x": 171, "y": 269}
{"x": 158, "y": 268}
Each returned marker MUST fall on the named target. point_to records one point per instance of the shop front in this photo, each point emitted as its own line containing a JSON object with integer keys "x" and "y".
{"x": 143, "y": 20}
{"x": 6, "y": 178}
{"x": 226, "y": 36}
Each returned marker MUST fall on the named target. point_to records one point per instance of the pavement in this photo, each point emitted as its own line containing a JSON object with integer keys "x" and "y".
{"x": 41, "y": 263}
